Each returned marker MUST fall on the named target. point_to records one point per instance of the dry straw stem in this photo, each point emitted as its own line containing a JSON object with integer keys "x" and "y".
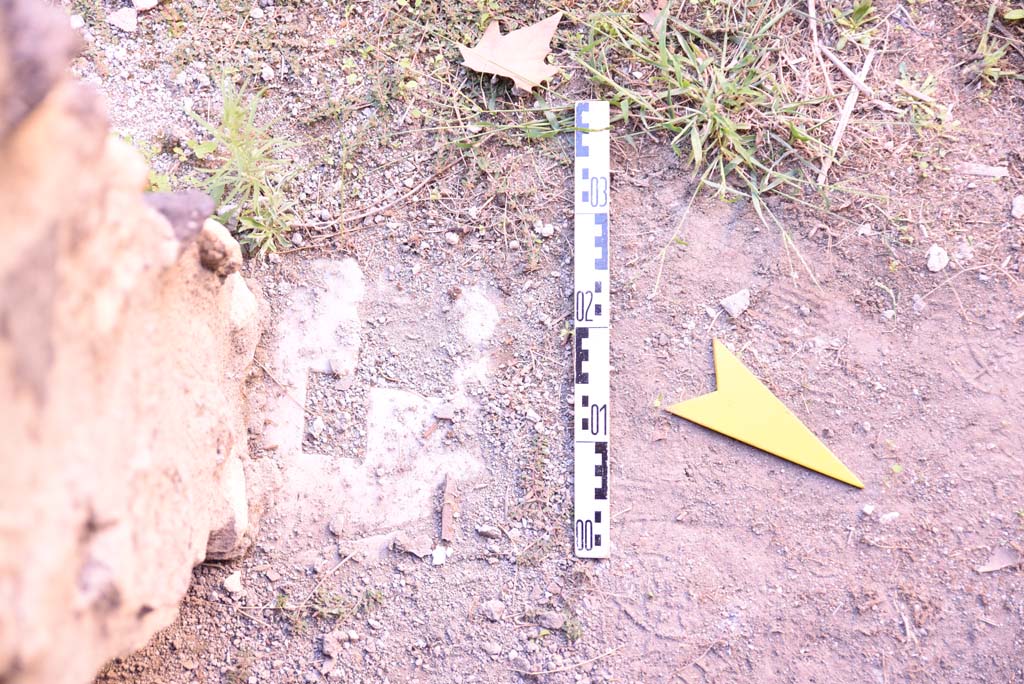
{"x": 854, "y": 79}
{"x": 812, "y": 18}
{"x": 844, "y": 119}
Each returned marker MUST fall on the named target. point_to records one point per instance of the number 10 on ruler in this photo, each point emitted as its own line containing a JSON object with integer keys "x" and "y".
{"x": 592, "y": 515}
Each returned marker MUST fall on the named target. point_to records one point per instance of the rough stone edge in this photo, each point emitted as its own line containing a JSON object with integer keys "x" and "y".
{"x": 36, "y": 47}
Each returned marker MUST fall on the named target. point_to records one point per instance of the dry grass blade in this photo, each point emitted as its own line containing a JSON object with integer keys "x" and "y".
{"x": 844, "y": 119}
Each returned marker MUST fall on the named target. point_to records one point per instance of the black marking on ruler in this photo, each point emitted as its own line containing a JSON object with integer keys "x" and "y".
{"x": 601, "y": 471}
{"x": 586, "y": 424}
{"x": 597, "y": 516}
{"x": 586, "y": 400}
{"x": 597, "y": 540}
{"x": 597, "y": 286}
{"x": 581, "y": 356}
{"x": 597, "y": 309}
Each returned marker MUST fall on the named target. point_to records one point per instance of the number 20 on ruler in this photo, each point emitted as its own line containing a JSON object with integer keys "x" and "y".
{"x": 591, "y": 517}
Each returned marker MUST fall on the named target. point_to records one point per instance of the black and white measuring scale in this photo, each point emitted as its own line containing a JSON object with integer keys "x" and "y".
{"x": 592, "y": 514}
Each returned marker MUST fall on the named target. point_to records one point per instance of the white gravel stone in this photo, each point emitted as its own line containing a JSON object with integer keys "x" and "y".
{"x": 1017, "y": 210}
{"x": 938, "y": 258}
{"x": 736, "y": 304}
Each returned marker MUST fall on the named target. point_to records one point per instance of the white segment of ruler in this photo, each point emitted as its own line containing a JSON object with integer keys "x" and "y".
{"x": 592, "y": 514}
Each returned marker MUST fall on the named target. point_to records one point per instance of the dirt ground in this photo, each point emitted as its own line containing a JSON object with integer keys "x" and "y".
{"x": 429, "y": 340}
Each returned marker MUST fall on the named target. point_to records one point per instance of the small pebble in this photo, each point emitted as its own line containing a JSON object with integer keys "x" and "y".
{"x": 868, "y": 509}
{"x": 126, "y": 19}
{"x": 889, "y": 517}
{"x": 233, "y": 582}
{"x": 451, "y": 238}
{"x": 736, "y": 304}
{"x": 551, "y": 620}
{"x": 938, "y": 258}
{"x": 543, "y": 229}
{"x": 488, "y": 531}
{"x": 493, "y": 610}
{"x": 256, "y": 13}
{"x": 1017, "y": 211}
{"x": 337, "y": 525}
{"x": 445, "y": 412}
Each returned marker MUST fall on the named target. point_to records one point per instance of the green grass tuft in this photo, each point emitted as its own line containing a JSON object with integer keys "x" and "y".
{"x": 248, "y": 175}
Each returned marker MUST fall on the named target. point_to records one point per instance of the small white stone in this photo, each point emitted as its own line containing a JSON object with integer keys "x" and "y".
{"x": 256, "y": 12}
{"x": 543, "y": 229}
{"x": 737, "y": 303}
{"x": 267, "y": 73}
{"x": 76, "y": 21}
{"x": 938, "y": 258}
{"x": 868, "y": 509}
{"x": 233, "y": 582}
{"x": 1017, "y": 210}
{"x": 889, "y": 517}
{"x": 126, "y": 19}
{"x": 451, "y": 238}
{"x": 143, "y": 5}
{"x": 439, "y": 555}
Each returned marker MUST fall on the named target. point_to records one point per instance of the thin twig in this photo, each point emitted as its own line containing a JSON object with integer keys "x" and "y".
{"x": 238, "y": 609}
{"x": 812, "y": 13}
{"x": 284, "y": 387}
{"x": 854, "y": 79}
{"x": 377, "y": 210}
{"x": 678, "y": 673}
{"x": 675, "y": 236}
{"x": 324, "y": 579}
{"x": 953, "y": 277}
{"x": 572, "y": 666}
{"x": 844, "y": 119}
{"x": 914, "y": 93}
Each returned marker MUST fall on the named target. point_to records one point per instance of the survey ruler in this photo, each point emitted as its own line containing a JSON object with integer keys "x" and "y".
{"x": 591, "y": 296}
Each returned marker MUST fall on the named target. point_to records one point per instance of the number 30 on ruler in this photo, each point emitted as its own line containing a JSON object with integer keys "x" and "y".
{"x": 590, "y": 317}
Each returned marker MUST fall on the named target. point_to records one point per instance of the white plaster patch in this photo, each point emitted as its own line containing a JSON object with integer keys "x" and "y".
{"x": 404, "y": 466}
{"x": 319, "y": 325}
{"x": 406, "y": 453}
{"x": 479, "y": 315}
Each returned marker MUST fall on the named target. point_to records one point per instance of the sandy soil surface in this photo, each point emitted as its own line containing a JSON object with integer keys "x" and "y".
{"x": 429, "y": 341}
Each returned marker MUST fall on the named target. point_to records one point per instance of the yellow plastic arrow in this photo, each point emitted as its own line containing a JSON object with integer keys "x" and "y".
{"x": 744, "y": 409}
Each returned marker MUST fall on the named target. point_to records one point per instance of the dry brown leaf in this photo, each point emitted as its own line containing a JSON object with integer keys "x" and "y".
{"x": 1002, "y": 557}
{"x": 651, "y": 17}
{"x": 518, "y": 55}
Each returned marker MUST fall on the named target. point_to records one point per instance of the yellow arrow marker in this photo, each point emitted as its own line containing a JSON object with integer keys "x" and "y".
{"x": 744, "y": 409}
